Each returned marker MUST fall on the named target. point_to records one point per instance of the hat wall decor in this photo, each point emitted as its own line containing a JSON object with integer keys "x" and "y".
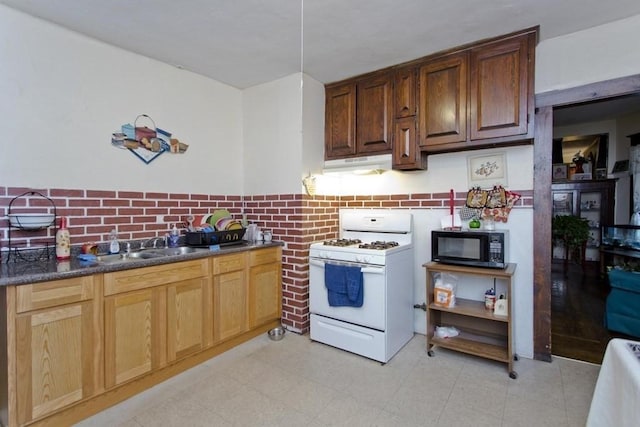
{"x": 146, "y": 142}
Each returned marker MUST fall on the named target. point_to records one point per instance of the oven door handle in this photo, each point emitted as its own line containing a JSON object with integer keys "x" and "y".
{"x": 364, "y": 269}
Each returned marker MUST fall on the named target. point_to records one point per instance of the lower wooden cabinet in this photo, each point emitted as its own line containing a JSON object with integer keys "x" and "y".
{"x": 57, "y": 350}
{"x": 265, "y": 290}
{"x": 187, "y": 314}
{"x": 76, "y": 346}
{"x": 229, "y": 296}
{"x": 135, "y": 331}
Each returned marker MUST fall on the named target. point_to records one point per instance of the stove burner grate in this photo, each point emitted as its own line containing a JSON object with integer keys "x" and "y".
{"x": 342, "y": 242}
{"x": 380, "y": 245}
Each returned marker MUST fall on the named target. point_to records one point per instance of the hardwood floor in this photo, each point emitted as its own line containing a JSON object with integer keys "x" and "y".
{"x": 577, "y": 312}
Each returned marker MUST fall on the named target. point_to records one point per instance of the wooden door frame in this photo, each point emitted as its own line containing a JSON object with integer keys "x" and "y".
{"x": 543, "y": 141}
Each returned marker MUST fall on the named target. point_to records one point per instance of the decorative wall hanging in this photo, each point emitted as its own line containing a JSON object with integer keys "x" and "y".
{"x": 310, "y": 184}
{"x": 147, "y": 143}
{"x": 494, "y": 204}
{"x": 487, "y": 170}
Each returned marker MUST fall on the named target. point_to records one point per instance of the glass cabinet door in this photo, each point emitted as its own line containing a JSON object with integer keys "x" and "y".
{"x": 590, "y": 209}
{"x": 563, "y": 203}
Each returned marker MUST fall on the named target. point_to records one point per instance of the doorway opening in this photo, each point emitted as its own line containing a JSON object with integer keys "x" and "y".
{"x": 550, "y": 110}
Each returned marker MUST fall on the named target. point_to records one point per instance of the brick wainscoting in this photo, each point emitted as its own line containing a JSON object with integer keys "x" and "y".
{"x": 295, "y": 219}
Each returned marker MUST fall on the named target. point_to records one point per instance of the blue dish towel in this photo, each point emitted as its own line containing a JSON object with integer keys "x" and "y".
{"x": 344, "y": 285}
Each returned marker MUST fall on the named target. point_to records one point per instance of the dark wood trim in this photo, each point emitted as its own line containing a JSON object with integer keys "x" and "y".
{"x": 591, "y": 92}
{"x": 542, "y": 148}
{"x": 543, "y": 142}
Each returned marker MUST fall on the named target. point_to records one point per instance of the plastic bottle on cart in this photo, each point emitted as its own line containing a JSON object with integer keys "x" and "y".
{"x": 63, "y": 241}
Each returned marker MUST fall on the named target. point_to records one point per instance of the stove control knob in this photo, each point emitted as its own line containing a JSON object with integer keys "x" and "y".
{"x": 363, "y": 259}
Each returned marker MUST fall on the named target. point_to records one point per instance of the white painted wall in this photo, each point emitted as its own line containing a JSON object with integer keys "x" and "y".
{"x": 63, "y": 95}
{"x": 600, "y": 53}
{"x": 313, "y": 126}
{"x": 272, "y": 129}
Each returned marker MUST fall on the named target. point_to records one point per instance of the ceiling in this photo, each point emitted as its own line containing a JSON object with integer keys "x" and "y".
{"x": 248, "y": 42}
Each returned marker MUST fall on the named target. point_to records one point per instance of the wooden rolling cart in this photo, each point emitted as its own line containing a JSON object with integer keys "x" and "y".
{"x": 482, "y": 333}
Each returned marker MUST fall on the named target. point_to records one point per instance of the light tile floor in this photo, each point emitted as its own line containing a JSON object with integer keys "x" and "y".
{"x": 297, "y": 382}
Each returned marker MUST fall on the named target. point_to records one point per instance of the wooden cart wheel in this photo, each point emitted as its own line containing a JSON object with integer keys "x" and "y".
{"x": 430, "y": 353}
{"x": 513, "y": 375}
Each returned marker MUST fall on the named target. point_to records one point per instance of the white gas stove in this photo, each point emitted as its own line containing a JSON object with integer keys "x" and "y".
{"x": 380, "y": 245}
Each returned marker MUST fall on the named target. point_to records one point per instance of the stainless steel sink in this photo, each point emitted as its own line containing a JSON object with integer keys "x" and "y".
{"x": 148, "y": 254}
{"x": 181, "y": 250}
{"x": 119, "y": 258}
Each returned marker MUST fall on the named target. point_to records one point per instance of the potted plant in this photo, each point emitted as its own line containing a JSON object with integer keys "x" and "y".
{"x": 572, "y": 232}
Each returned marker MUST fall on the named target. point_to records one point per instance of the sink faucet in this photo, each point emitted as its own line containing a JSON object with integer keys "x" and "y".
{"x": 153, "y": 241}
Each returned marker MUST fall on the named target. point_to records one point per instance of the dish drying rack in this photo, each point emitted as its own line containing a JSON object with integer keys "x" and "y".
{"x": 48, "y": 240}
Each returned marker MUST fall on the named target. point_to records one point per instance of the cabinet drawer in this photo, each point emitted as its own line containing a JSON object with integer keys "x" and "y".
{"x": 140, "y": 278}
{"x": 264, "y": 256}
{"x": 54, "y": 293}
{"x": 226, "y": 263}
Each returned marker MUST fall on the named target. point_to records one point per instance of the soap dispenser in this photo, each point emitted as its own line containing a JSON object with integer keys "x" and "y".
{"x": 114, "y": 245}
{"x": 174, "y": 236}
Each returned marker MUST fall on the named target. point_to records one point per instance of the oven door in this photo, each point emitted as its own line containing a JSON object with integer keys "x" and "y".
{"x": 372, "y": 312}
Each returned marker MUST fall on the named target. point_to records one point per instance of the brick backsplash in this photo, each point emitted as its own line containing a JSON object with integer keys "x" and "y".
{"x": 295, "y": 219}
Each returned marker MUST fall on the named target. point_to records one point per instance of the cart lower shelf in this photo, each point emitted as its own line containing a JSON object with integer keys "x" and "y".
{"x": 473, "y": 344}
{"x": 481, "y": 332}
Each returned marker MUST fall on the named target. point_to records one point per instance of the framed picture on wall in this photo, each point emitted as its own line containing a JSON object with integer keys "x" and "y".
{"x": 488, "y": 170}
{"x": 601, "y": 173}
{"x": 560, "y": 171}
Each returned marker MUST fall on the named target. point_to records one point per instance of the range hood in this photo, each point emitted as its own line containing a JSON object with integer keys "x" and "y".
{"x": 358, "y": 165}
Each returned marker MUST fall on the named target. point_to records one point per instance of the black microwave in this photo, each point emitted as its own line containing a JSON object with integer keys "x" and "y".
{"x": 481, "y": 248}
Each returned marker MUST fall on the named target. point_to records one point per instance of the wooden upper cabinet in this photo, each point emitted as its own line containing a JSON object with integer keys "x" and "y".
{"x": 405, "y": 92}
{"x": 340, "y": 121}
{"x": 474, "y": 96}
{"x": 406, "y": 153}
{"x": 359, "y": 117}
{"x": 500, "y": 92}
{"x": 375, "y": 115}
{"x": 442, "y": 108}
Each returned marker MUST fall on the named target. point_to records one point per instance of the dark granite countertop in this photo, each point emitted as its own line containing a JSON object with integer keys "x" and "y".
{"x": 27, "y": 272}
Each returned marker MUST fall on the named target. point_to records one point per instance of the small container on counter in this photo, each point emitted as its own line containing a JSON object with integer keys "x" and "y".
{"x": 489, "y": 299}
{"x": 267, "y": 235}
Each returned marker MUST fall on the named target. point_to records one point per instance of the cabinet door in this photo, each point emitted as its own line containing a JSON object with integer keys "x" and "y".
{"x": 229, "y": 304}
{"x": 186, "y": 314}
{"x": 374, "y": 115}
{"x": 442, "y": 102}
{"x": 406, "y": 153}
{"x": 500, "y": 90}
{"x": 55, "y": 349}
{"x": 135, "y": 334}
{"x": 265, "y": 295}
{"x": 340, "y": 121}
{"x": 405, "y": 92}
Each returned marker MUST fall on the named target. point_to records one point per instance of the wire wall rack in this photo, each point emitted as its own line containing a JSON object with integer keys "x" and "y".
{"x": 32, "y": 227}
